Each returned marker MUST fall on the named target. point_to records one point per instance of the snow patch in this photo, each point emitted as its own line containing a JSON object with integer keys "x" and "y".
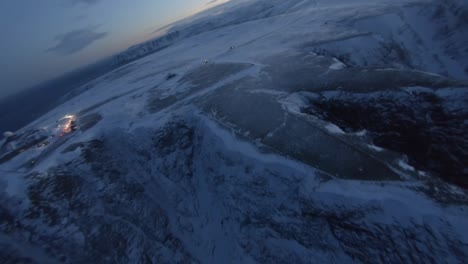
{"x": 332, "y": 128}
{"x": 374, "y": 147}
{"x": 361, "y": 133}
{"x": 295, "y": 102}
{"x": 337, "y": 65}
{"x": 405, "y": 165}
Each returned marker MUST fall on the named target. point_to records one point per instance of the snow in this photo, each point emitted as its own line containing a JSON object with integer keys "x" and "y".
{"x": 249, "y": 150}
{"x": 8, "y": 134}
{"x": 337, "y": 65}
{"x": 405, "y": 165}
{"x": 213, "y": 195}
{"x": 422, "y": 173}
{"x": 295, "y": 102}
{"x": 373, "y": 147}
{"x": 361, "y": 133}
{"x": 15, "y": 183}
{"x": 332, "y": 128}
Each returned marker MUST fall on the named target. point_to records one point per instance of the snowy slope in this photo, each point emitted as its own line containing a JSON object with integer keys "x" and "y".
{"x": 227, "y": 144}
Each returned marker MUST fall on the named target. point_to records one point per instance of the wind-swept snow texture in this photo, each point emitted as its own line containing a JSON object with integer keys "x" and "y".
{"x": 256, "y": 132}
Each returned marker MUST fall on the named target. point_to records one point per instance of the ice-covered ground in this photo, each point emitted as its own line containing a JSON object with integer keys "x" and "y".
{"x": 218, "y": 148}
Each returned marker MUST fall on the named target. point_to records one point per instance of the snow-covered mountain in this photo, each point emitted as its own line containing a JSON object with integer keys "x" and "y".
{"x": 259, "y": 132}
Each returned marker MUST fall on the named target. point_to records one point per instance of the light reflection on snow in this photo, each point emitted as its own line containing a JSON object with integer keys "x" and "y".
{"x": 68, "y": 124}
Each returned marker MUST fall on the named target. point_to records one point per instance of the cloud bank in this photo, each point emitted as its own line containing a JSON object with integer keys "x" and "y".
{"x": 76, "y": 40}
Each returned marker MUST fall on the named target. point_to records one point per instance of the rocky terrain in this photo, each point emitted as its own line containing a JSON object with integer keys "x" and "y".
{"x": 259, "y": 132}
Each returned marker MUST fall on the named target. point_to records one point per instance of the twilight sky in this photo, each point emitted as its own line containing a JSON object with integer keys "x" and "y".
{"x": 42, "y": 39}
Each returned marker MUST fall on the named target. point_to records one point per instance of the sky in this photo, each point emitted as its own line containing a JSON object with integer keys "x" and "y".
{"x": 43, "y": 39}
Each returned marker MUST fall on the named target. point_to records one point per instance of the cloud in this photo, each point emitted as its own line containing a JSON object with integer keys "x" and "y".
{"x": 75, "y": 41}
{"x": 211, "y": 2}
